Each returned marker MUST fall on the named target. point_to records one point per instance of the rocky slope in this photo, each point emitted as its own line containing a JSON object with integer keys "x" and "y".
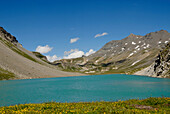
{"x": 19, "y": 63}
{"x": 161, "y": 66}
{"x": 128, "y": 55}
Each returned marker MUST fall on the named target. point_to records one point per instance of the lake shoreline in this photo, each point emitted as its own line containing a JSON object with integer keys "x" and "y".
{"x": 80, "y": 75}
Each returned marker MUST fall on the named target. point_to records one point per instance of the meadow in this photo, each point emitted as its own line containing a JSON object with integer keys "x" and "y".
{"x": 147, "y": 106}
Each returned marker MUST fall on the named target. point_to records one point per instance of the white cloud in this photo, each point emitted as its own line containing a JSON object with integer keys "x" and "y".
{"x": 91, "y": 51}
{"x": 43, "y": 49}
{"x": 75, "y": 53}
{"x": 99, "y": 35}
{"x": 68, "y": 52}
{"x": 72, "y": 40}
{"x": 53, "y": 58}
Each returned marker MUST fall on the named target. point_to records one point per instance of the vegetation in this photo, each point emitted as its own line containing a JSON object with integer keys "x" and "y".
{"x": 4, "y": 74}
{"x": 148, "y": 106}
{"x": 42, "y": 57}
{"x": 39, "y": 55}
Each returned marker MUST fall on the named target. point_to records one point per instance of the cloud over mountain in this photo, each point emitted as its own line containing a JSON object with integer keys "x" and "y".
{"x": 44, "y": 49}
{"x": 53, "y": 58}
{"x": 68, "y": 52}
{"x": 74, "y": 53}
{"x": 91, "y": 51}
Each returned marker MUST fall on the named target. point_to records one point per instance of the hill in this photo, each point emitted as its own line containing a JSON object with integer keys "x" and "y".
{"x": 18, "y": 63}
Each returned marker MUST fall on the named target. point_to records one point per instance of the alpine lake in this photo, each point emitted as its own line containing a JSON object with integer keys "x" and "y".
{"x": 112, "y": 87}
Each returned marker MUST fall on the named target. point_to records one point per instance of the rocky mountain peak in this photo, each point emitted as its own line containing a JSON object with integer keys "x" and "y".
{"x": 163, "y": 31}
{"x": 6, "y": 35}
{"x": 128, "y": 55}
{"x": 132, "y": 35}
{"x": 133, "y": 44}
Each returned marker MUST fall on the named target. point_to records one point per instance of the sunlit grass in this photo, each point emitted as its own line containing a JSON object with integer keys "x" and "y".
{"x": 150, "y": 105}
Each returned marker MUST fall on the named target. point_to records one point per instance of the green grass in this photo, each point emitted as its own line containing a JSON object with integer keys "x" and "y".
{"x": 39, "y": 55}
{"x": 134, "y": 106}
{"x": 4, "y": 74}
{"x": 42, "y": 57}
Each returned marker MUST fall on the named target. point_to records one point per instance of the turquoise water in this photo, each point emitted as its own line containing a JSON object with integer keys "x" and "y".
{"x": 84, "y": 88}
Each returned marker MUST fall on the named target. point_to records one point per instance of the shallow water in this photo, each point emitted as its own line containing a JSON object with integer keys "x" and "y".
{"x": 83, "y": 88}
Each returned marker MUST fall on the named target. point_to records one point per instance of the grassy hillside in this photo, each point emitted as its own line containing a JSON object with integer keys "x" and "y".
{"x": 146, "y": 106}
{"x": 4, "y": 74}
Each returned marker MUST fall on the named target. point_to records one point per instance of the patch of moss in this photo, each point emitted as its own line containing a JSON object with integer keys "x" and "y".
{"x": 4, "y": 74}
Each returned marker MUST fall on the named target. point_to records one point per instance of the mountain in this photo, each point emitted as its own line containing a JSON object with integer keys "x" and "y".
{"x": 161, "y": 66}
{"x": 127, "y": 56}
{"x": 18, "y": 63}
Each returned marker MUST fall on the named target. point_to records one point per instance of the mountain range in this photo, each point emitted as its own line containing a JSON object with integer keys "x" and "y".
{"x": 132, "y": 55}
{"x": 140, "y": 55}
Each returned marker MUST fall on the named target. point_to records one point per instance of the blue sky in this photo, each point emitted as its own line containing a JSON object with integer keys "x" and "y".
{"x": 55, "y": 22}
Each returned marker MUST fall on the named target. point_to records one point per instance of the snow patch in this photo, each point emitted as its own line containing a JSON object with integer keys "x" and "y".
{"x": 133, "y": 43}
{"x": 123, "y": 49}
{"x": 159, "y": 42}
{"x": 97, "y": 61}
{"x": 143, "y": 44}
{"x": 126, "y": 43}
{"x": 136, "y": 47}
{"x": 135, "y": 62}
{"x": 139, "y": 42}
{"x": 166, "y": 42}
{"x": 130, "y": 55}
{"x": 147, "y": 45}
